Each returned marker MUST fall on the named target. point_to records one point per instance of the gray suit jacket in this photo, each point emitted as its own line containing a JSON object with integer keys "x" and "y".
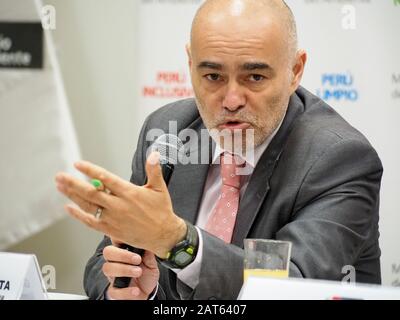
{"x": 316, "y": 185}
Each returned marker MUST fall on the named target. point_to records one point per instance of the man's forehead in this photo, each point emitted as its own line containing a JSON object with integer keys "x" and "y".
{"x": 221, "y": 52}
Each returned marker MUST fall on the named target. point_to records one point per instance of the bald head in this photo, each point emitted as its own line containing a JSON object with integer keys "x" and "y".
{"x": 244, "y": 66}
{"x": 219, "y": 10}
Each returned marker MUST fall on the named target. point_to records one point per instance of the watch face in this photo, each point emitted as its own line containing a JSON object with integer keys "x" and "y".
{"x": 182, "y": 258}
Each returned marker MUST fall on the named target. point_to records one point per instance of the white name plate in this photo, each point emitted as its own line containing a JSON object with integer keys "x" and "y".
{"x": 20, "y": 277}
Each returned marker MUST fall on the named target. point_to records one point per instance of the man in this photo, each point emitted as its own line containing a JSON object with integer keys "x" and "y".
{"x": 314, "y": 180}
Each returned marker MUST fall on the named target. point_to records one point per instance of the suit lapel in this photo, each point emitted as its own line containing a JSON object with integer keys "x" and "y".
{"x": 188, "y": 180}
{"x": 258, "y": 186}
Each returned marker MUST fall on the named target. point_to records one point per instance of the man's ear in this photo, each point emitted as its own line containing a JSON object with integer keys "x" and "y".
{"x": 298, "y": 69}
{"x": 189, "y": 54}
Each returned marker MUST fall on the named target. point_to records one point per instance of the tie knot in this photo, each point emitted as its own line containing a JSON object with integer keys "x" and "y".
{"x": 230, "y": 170}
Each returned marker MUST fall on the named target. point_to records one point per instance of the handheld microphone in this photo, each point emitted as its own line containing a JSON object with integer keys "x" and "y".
{"x": 169, "y": 146}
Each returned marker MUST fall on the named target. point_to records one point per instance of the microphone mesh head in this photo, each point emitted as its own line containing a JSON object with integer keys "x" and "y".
{"x": 169, "y": 146}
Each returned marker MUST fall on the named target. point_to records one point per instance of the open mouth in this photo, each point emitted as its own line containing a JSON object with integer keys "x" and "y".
{"x": 232, "y": 125}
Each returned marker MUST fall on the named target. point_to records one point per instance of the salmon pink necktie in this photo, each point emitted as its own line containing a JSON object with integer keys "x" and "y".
{"x": 222, "y": 220}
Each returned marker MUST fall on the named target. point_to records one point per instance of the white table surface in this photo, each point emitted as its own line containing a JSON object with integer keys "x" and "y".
{"x": 65, "y": 296}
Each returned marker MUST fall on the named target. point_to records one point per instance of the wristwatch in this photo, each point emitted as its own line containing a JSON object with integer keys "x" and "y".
{"x": 184, "y": 252}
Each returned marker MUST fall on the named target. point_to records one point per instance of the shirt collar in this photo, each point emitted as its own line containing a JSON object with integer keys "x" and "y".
{"x": 258, "y": 151}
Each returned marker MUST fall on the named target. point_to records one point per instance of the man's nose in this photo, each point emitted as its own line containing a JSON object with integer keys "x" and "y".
{"x": 234, "y": 98}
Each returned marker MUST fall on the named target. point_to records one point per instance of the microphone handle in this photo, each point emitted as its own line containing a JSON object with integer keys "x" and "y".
{"x": 123, "y": 282}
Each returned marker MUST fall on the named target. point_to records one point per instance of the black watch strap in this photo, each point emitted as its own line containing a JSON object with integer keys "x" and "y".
{"x": 184, "y": 252}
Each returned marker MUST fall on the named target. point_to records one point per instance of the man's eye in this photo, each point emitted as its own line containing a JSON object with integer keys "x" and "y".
{"x": 213, "y": 77}
{"x": 256, "y": 77}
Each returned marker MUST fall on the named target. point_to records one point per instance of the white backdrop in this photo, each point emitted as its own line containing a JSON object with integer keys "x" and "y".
{"x": 36, "y": 138}
{"x": 353, "y": 48}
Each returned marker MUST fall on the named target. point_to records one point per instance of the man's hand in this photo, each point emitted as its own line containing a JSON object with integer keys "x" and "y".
{"x": 122, "y": 263}
{"x": 139, "y": 216}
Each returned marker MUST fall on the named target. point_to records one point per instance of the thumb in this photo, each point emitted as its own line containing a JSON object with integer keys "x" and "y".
{"x": 149, "y": 260}
{"x": 155, "y": 179}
